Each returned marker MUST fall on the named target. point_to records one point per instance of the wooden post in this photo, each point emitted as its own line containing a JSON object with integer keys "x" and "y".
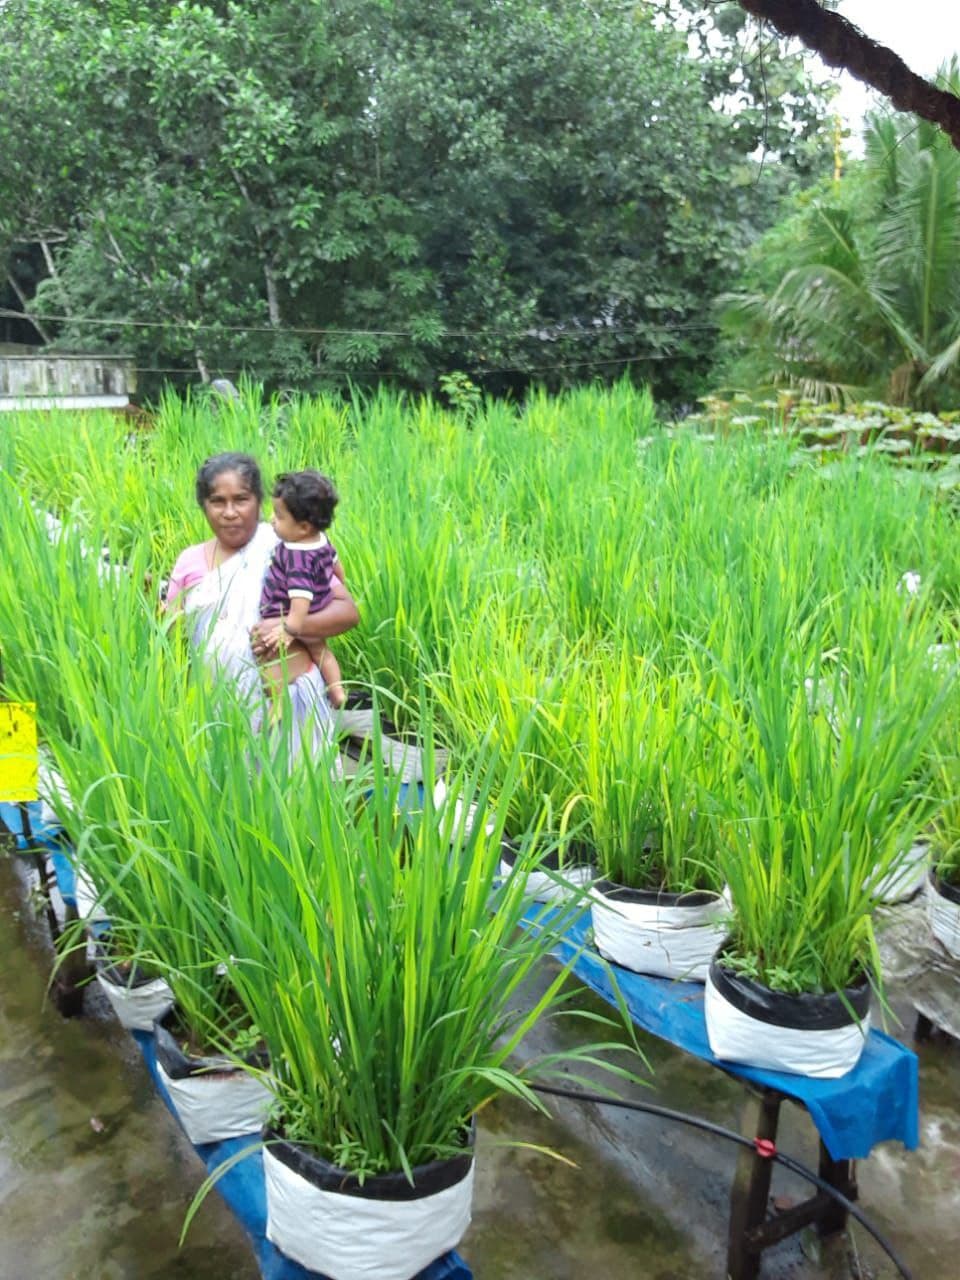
{"x": 751, "y": 1187}
{"x": 841, "y": 1174}
{"x": 923, "y": 1028}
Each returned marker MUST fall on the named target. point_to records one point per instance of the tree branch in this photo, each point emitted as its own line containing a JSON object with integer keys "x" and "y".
{"x": 269, "y": 276}
{"x": 26, "y": 312}
{"x": 840, "y": 44}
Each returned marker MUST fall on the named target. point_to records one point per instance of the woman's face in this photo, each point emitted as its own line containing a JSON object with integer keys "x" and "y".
{"x": 232, "y": 510}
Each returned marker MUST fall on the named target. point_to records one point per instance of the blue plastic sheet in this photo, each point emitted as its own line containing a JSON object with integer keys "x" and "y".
{"x": 878, "y": 1101}
{"x": 44, "y": 837}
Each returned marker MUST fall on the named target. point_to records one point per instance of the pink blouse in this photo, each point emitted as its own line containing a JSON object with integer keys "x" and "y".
{"x": 192, "y": 566}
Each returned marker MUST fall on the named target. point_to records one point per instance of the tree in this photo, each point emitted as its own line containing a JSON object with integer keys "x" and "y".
{"x": 314, "y": 190}
{"x": 858, "y": 292}
{"x": 840, "y": 44}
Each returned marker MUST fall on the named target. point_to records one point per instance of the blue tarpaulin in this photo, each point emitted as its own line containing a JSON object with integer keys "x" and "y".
{"x": 878, "y": 1101}
{"x": 44, "y": 837}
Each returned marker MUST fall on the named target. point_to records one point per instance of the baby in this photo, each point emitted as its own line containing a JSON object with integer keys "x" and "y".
{"x": 299, "y": 579}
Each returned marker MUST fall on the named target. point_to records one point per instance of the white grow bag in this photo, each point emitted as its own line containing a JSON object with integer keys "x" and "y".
{"x": 906, "y": 878}
{"x": 816, "y": 1047}
{"x": 943, "y": 912}
{"x": 347, "y": 1236}
{"x": 90, "y": 904}
{"x": 55, "y": 798}
{"x": 214, "y": 1099}
{"x": 469, "y": 821}
{"x": 667, "y": 935}
{"x": 137, "y": 1006}
{"x": 548, "y": 881}
{"x": 218, "y": 1105}
{"x": 52, "y": 792}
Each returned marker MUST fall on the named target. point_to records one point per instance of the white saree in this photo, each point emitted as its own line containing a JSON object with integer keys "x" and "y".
{"x": 220, "y": 610}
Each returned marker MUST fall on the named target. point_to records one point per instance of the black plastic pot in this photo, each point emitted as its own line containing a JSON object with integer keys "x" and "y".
{"x": 783, "y": 1009}
{"x": 428, "y": 1179}
{"x": 945, "y": 888}
{"x": 576, "y": 854}
{"x": 181, "y": 1066}
{"x": 655, "y": 897}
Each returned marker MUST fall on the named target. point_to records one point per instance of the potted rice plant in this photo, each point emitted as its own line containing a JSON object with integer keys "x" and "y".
{"x": 150, "y": 782}
{"x": 386, "y": 990}
{"x": 829, "y": 791}
{"x": 62, "y": 655}
{"x": 527, "y": 700}
{"x": 651, "y": 766}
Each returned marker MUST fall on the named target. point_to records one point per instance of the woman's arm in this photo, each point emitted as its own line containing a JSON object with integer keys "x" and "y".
{"x": 334, "y": 619}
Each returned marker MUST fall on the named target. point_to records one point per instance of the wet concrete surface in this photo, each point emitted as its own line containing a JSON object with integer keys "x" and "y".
{"x": 95, "y": 1175}
{"x": 680, "y": 1179}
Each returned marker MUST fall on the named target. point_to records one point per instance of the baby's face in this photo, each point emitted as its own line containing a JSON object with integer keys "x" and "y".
{"x": 286, "y": 527}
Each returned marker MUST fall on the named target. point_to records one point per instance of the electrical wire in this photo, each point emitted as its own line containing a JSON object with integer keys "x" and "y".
{"x": 129, "y": 322}
{"x": 768, "y": 1151}
{"x": 323, "y": 371}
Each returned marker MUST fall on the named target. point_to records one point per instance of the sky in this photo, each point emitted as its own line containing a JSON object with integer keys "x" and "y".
{"x": 923, "y": 32}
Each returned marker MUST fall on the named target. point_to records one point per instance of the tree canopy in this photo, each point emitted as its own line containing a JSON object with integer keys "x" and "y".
{"x": 857, "y": 292}
{"x": 363, "y": 188}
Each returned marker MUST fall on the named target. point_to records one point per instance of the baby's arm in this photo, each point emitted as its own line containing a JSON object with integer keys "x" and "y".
{"x": 297, "y": 615}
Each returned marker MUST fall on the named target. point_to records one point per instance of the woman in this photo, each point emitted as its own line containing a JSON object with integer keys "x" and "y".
{"x": 216, "y": 585}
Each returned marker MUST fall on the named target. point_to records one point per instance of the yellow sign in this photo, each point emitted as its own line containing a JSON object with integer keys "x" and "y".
{"x": 18, "y": 751}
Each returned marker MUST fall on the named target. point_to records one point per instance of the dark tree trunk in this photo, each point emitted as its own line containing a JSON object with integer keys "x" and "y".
{"x": 840, "y": 44}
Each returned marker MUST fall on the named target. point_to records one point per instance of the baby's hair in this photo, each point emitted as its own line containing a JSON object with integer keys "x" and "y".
{"x": 245, "y": 467}
{"x": 309, "y": 496}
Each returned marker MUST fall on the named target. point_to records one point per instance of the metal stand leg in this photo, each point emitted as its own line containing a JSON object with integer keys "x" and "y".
{"x": 73, "y": 970}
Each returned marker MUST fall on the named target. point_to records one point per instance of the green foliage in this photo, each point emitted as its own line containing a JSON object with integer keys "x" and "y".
{"x": 315, "y": 192}
{"x": 653, "y": 770}
{"x": 855, "y": 292}
{"x": 609, "y": 618}
{"x": 351, "y": 932}
{"x": 827, "y": 778}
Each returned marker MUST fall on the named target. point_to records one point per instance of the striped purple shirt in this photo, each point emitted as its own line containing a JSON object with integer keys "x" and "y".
{"x": 301, "y": 570}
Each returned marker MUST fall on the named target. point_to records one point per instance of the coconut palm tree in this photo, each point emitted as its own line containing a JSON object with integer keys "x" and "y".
{"x": 859, "y": 292}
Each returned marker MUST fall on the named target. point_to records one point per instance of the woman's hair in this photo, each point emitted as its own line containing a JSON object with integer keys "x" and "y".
{"x": 308, "y": 495}
{"x": 245, "y": 467}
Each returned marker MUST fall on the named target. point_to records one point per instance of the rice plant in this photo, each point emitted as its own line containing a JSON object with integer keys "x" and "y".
{"x": 383, "y": 963}
{"x": 828, "y": 787}
{"x": 652, "y": 772}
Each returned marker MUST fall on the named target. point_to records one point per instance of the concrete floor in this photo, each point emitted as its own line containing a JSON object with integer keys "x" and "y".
{"x": 95, "y": 1175}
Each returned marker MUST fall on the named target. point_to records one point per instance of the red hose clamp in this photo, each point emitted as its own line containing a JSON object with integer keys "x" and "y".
{"x": 765, "y": 1148}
